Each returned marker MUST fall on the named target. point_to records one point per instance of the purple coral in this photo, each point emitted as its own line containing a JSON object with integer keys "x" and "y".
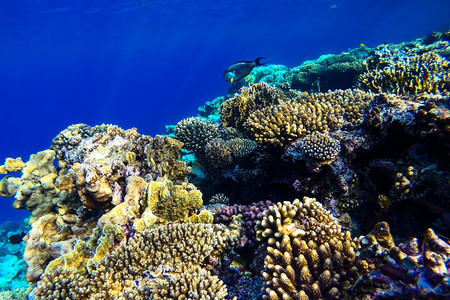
{"x": 250, "y": 215}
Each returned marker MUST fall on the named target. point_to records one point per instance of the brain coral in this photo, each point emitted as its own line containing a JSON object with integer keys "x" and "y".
{"x": 412, "y": 74}
{"x": 195, "y": 133}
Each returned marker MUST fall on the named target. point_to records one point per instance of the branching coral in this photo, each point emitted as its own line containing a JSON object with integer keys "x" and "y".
{"x": 306, "y": 219}
{"x": 195, "y": 133}
{"x": 234, "y": 111}
{"x": 138, "y": 269}
{"x": 283, "y": 123}
{"x": 316, "y": 148}
{"x": 309, "y": 257}
{"x": 414, "y": 74}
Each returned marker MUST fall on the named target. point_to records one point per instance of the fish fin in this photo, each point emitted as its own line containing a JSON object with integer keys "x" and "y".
{"x": 258, "y": 63}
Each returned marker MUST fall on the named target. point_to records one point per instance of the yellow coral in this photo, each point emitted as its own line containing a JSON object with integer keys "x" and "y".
{"x": 173, "y": 202}
{"x": 12, "y": 165}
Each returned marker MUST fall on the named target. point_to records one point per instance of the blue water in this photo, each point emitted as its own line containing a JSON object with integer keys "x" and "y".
{"x": 146, "y": 63}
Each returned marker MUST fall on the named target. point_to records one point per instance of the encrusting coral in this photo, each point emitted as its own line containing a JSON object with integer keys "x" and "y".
{"x": 12, "y": 165}
{"x": 308, "y": 256}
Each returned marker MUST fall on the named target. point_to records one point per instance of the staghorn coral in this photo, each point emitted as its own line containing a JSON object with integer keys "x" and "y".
{"x": 414, "y": 74}
{"x": 413, "y": 270}
{"x": 175, "y": 250}
{"x": 309, "y": 257}
{"x": 316, "y": 147}
{"x": 195, "y": 133}
{"x": 234, "y": 111}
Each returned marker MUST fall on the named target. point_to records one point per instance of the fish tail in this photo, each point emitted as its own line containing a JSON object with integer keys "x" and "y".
{"x": 258, "y": 63}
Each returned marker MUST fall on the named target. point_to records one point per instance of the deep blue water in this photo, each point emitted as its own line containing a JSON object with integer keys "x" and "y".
{"x": 146, "y": 64}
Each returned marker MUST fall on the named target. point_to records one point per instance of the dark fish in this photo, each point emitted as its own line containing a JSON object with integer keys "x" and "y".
{"x": 240, "y": 69}
{"x": 16, "y": 238}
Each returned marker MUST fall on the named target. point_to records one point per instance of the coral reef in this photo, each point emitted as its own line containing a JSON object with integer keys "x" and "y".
{"x": 120, "y": 215}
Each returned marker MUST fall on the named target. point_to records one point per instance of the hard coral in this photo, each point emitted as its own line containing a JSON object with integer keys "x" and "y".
{"x": 280, "y": 124}
{"x": 195, "y": 133}
{"x": 410, "y": 270}
{"x": 171, "y": 254}
{"x": 317, "y": 148}
{"x": 234, "y": 111}
{"x": 12, "y": 165}
{"x": 306, "y": 219}
{"x": 414, "y": 74}
{"x": 309, "y": 257}
{"x": 172, "y": 202}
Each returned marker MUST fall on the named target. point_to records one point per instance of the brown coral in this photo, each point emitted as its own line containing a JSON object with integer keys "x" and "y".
{"x": 306, "y": 219}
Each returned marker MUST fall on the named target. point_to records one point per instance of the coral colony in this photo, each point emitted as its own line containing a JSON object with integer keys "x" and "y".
{"x": 324, "y": 181}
